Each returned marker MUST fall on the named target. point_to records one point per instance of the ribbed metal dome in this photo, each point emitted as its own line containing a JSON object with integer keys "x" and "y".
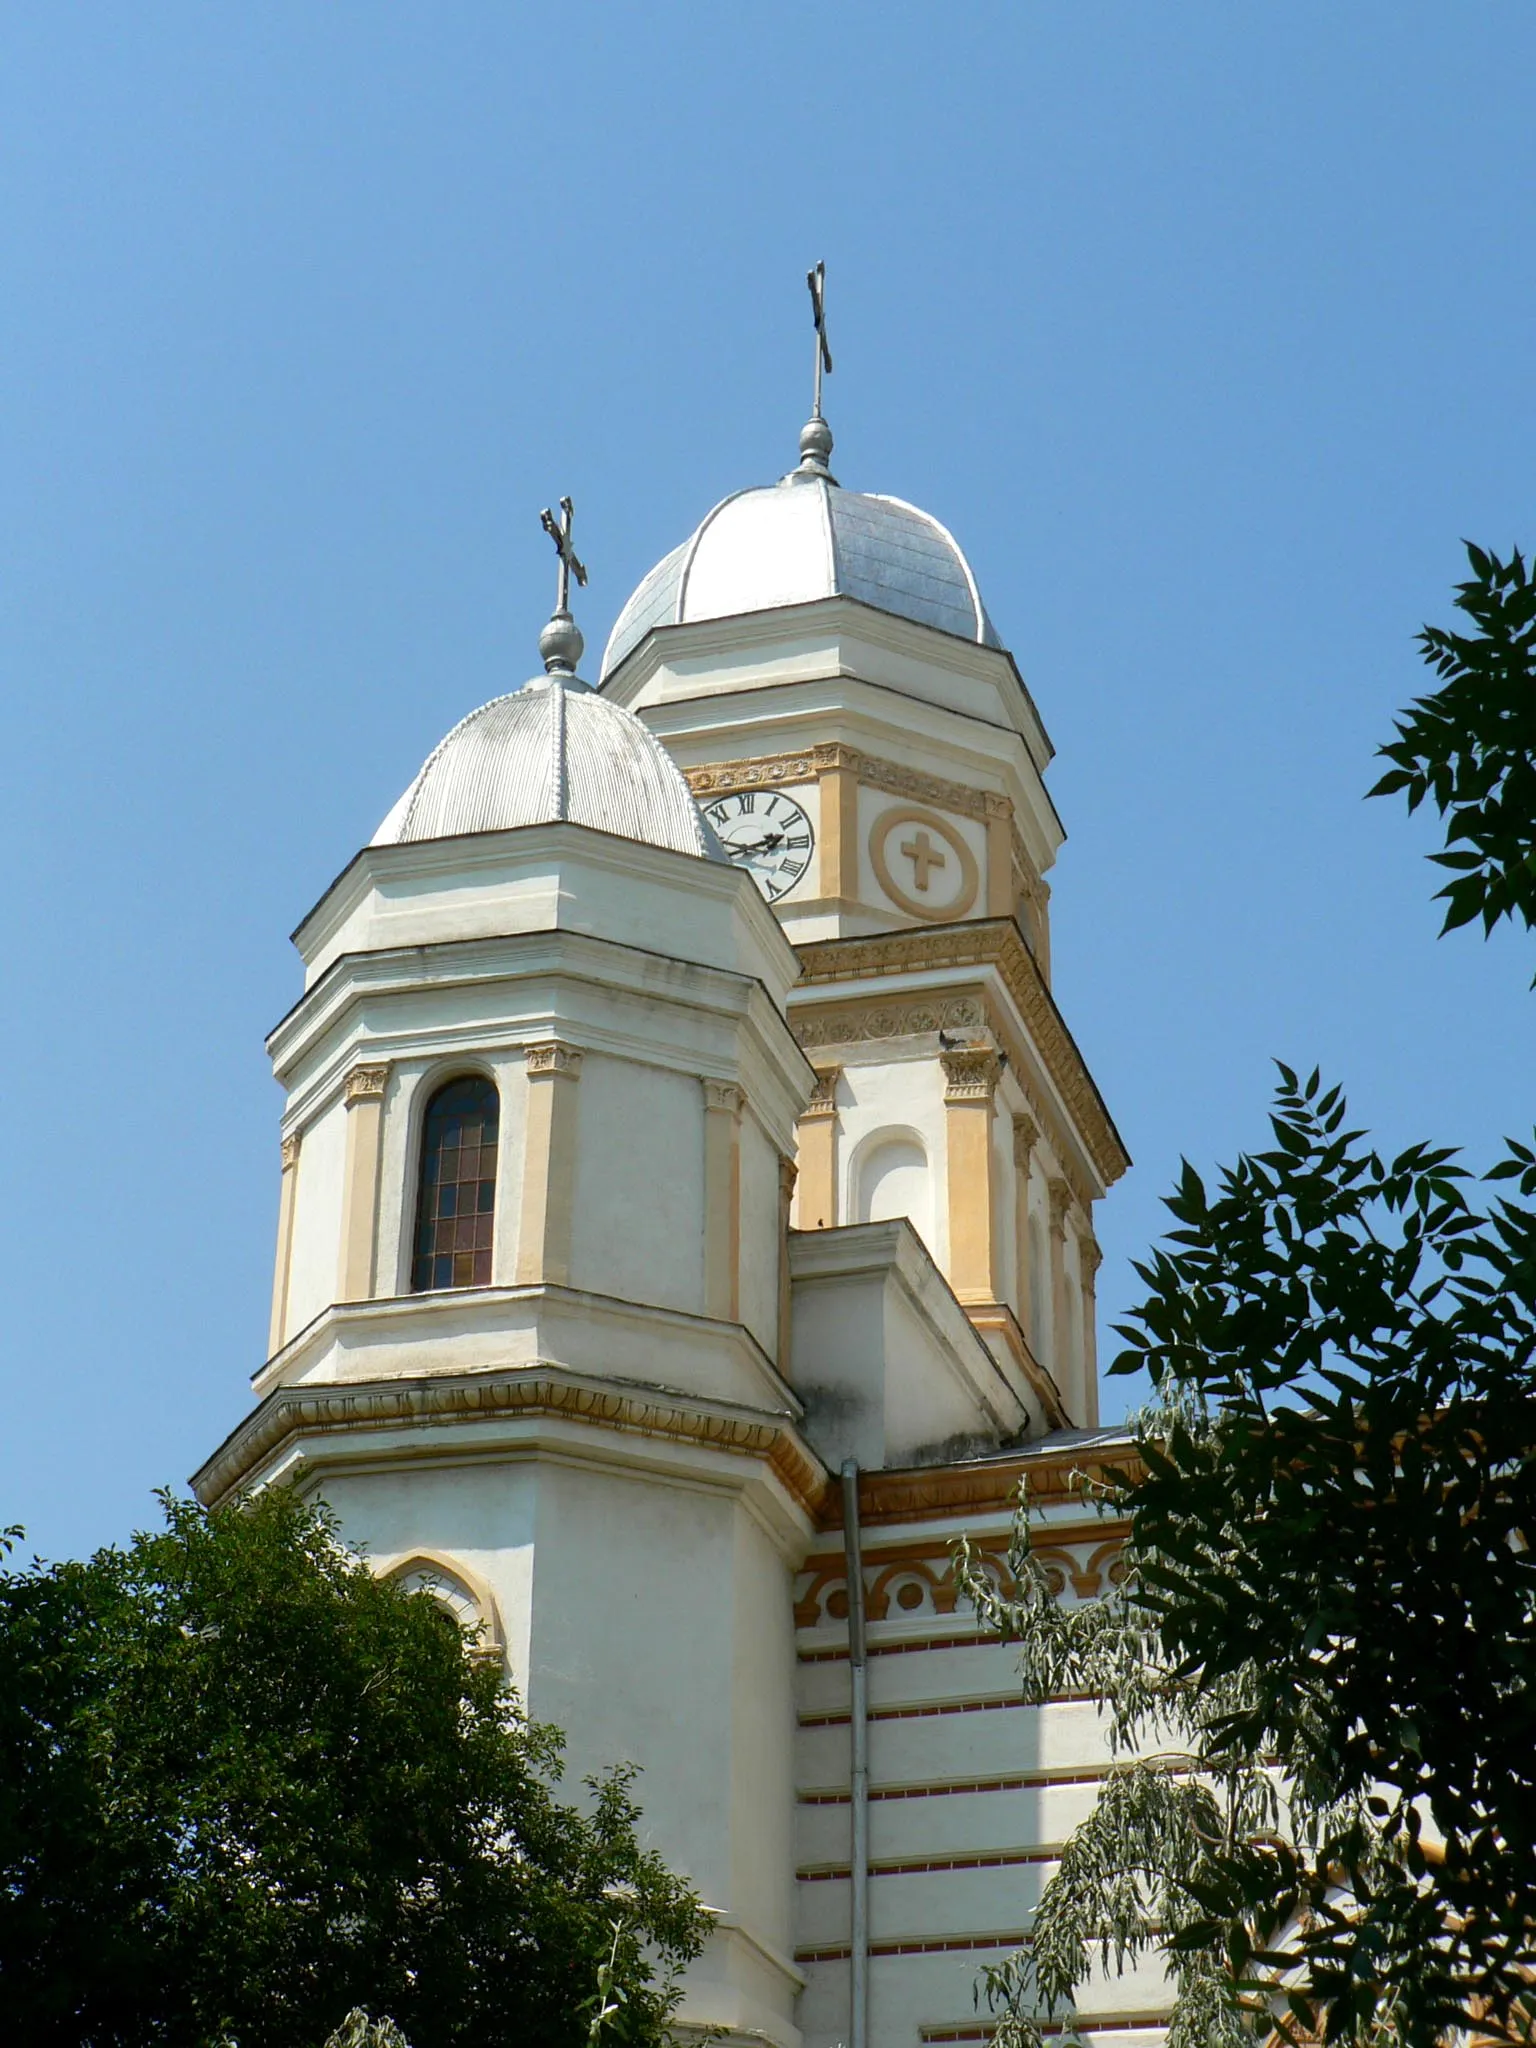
{"x": 552, "y": 751}
{"x": 800, "y": 540}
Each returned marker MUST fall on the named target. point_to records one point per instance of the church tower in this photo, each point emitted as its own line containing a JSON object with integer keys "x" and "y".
{"x": 685, "y": 1233}
{"x": 820, "y": 663}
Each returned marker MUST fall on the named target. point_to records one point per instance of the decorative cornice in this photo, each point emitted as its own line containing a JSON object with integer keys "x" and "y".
{"x": 764, "y": 770}
{"x": 292, "y": 1413}
{"x": 367, "y": 1083}
{"x": 842, "y": 1026}
{"x": 823, "y": 1100}
{"x": 554, "y": 1056}
{"x": 290, "y": 1151}
{"x": 870, "y": 769}
{"x": 970, "y": 1075}
{"x": 722, "y": 1095}
{"x": 942, "y": 1492}
{"x": 995, "y": 943}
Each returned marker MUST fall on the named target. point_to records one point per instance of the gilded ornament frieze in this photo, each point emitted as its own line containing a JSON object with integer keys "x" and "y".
{"x": 842, "y": 1026}
{"x": 917, "y": 1580}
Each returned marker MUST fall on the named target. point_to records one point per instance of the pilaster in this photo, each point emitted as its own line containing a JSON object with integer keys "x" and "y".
{"x": 1026, "y": 1135}
{"x": 818, "y": 1153}
{"x": 285, "y": 1206}
{"x": 547, "y": 1211}
{"x": 1061, "y": 1322}
{"x": 722, "y": 1200}
{"x": 1000, "y": 837}
{"x": 364, "y": 1097}
{"x": 787, "y": 1175}
{"x": 1090, "y": 1258}
{"x": 838, "y": 781}
{"x": 970, "y": 1082}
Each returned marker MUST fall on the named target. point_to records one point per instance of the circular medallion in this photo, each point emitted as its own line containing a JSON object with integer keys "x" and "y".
{"x": 922, "y": 863}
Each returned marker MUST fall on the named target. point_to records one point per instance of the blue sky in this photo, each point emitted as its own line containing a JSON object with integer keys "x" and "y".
{"x": 1208, "y": 330}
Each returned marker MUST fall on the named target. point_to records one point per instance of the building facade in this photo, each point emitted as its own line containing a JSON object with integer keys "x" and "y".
{"x": 681, "y": 1140}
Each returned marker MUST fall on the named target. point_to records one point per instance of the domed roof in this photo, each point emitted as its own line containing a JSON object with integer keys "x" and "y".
{"x": 551, "y": 751}
{"x": 803, "y": 539}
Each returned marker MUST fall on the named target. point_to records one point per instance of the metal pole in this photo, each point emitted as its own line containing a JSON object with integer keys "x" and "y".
{"x": 859, "y": 1774}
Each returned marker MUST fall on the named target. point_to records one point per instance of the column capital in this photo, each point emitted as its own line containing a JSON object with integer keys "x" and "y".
{"x": 1091, "y": 1257}
{"x": 289, "y": 1148}
{"x": 724, "y": 1095}
{"x": 554, "y": 1056}
{"x": 1060, "y": 1194}
{"x": 1026, "y": 1135}
{"x": 789, "y": 1173}
{"x": 970, "y": 1074}
{"x": 366, "y": 1083}
{"x": 823, "y": 1100}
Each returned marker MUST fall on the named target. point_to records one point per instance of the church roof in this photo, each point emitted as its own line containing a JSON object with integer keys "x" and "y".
{"x": 799, "y": 540}
{"x": 553, "y": 751}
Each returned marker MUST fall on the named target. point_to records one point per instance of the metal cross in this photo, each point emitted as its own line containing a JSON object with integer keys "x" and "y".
{"x": 559, "y": 531}
{"x": 817, "y": 280}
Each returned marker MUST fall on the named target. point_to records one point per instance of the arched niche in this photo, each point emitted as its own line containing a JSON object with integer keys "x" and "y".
{"x": 458, "y": 1591}
{"x": 891, "y": 1178}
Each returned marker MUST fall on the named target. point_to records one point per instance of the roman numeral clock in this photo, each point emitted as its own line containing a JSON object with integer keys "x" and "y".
{"x": 767, "y": 833}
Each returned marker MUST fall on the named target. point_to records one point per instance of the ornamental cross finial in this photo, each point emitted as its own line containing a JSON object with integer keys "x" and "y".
{"x": 817, "y": 281}
{"x": 561, "y": 643}
{"x": 559, "y": 531}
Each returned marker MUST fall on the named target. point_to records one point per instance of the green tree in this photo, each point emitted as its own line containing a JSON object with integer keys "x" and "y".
{"x": 247, "y": 1787}
{"x": 1319, "y": 1668}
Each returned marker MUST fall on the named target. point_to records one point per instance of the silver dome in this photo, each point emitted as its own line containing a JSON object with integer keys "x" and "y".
{"x": 800, "y": 540}
{"x": 552, "y": 751}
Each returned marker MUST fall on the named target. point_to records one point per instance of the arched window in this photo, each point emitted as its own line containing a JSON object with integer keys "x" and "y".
{"x": 457, "y": 1207}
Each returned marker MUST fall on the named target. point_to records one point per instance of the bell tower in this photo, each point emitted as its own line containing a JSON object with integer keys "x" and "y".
{"x": 820, "y": 664}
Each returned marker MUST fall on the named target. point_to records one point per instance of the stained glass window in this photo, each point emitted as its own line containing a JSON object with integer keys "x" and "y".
{"x": 457, "y": 1208}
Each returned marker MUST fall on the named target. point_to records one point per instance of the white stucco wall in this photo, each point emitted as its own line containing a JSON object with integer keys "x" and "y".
{"x": 639, "y": 1183}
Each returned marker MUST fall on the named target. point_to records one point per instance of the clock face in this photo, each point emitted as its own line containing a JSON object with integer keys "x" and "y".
{"x": 767, "y": 833}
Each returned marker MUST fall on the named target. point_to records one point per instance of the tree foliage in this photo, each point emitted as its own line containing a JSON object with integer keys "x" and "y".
{"x": 1318, "y": 1670}
{"x": 1470, "y": 746}
{"x": 247, "y": 1787}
